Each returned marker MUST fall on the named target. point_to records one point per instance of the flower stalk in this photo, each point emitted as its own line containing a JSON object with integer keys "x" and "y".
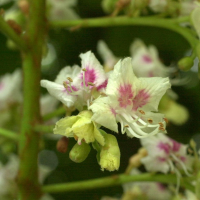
{"x": 115, "y": 180}
{"x": 29, "y": 188}
{"x": 171, "y": 24}
{"x": 10, "y": 33}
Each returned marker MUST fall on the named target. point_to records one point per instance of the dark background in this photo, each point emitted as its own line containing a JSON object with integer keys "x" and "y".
{"x": 68, "y": 46}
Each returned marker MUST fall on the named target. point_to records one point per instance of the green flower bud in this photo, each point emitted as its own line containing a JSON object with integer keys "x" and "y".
{"x": 109, "y": 5}
{"x": 11, "y": 45}
{"x": 79, "y": 152}
{"x": 173, "y": 111}
{"x": 81, "y": 127}
{"x": 185, "y": 63}
{"x": 110, "y": 153}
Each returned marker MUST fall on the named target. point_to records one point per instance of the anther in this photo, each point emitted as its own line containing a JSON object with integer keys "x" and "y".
{"x": 166, "y": 120}
{"x": 126, "y": 126}
{"x": 150, "y": 121}
{"x": 65, "y": 85}
{"x": 161, "y": 124}
{"x": 142, "y": 112}
{"x": 84, "y": 69}
{"x": 161, "y": 128}
{"x": 75, "y": 137}
{"x": 69, "y": 79}
{"x": 91, "y": 84}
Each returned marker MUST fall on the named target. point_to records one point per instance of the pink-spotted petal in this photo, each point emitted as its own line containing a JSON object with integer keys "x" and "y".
{"x": 94, "y": 71}
{"x": 121, "y": 79}
{"x": 59, "y": 92}
{"x": 150, "y": 91}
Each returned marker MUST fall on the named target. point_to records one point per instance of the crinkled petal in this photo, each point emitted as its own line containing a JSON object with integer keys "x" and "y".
{"x": 155, "y": 164}
{"x": 121, "y": 77}
{"x": 59, "y": 92}
{"x": 104, "y": 114}
{"x": 94, "y": 71}
{"x": 152, "y": 90}
{"x": 63, "y": 126}
{"x": 68, "y": 71}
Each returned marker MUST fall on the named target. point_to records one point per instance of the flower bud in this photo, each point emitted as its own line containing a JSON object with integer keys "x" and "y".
{"x": 62, "y": 145}
{"x": 109, "y": 5}
{"x": 185, "y": 63}
{"x": 110, "y": 153}
{"x": 81, "y": 127}
{"x": 79, "y": 152}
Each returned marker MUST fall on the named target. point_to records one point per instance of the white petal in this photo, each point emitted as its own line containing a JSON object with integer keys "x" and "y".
{"x": 59, "y": 92}
{"x": 103, "y": 114}
{"x": 90, "y": 63}
{"x": 155, "y": 88}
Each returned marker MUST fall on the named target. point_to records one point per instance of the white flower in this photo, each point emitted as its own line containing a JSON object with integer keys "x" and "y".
{"x": 146, "y": 62}
{"x": 10, "y": 89}
{"x": 130, "y": 101}
{"x": 107, "y": 55}
{"x": 187, "y": 6}
{"x": 165, "y": 155}
{"x": 62, "y": 9}
{"x": 8, "y": 174}
{"x": 158, "y": 5}
{"x": 74, "y": 87}
{"x": 148, "y": 189}
{"x": 48, "y": 104}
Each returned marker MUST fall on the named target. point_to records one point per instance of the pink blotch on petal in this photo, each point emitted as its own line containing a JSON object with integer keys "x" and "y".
{"x": 126, "y": 95}
{"x": 161, "y": 159}
{"x": 165, "y": 147}
{"x": 146, "y": 59}
{"x": 161, "y": 187}
{"x": 113, "y": 111}
{"x": 140, "y": 99}
{"x": 175, "y": 145}
{"x": 103, "y": 85}
{"x": 183, "y": 158}
{"x": 68, "y": 89}
{"x": 90, "y": 76}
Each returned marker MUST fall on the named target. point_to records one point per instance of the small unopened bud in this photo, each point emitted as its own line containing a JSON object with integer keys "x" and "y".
{"x": 110, "y": 153}
{"x": 62, "y": 145}
{"x": 122, "y": 3}
{"x": 24, "y": 6}
{"x": 79, "y": 152}
{"x": 11, "y": 45}
{"x": 185, "y": 63}
{"x": 16, "y": 27}
{"x": 143, "y": 152}
{"x": 135, "y": 160}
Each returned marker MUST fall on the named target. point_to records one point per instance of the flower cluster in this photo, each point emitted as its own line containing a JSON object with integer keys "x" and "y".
{"x": 115, "y": 97}
{"x": 146, "y": 63}
{"x": 166, "y": 155}
{"x": 170, "y": 7}
{"x": 105, "y": 99}
{"x": 8, "y": 174}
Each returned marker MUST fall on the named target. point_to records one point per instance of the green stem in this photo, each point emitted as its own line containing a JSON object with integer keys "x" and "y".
{"x": 171, "y": 24}
{"x": 55, "y": 113}
{"x": 115, "y": 180}
{"x": 29, "y": 188}
{"x": 44, "y": 128}
{"x": 10, "y": 33}
{"x": 9, "y": 134}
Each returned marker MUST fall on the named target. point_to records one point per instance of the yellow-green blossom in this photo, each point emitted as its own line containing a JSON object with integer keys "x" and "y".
{"x": 110, "y": 154}
{"x": 81, "y": 127}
